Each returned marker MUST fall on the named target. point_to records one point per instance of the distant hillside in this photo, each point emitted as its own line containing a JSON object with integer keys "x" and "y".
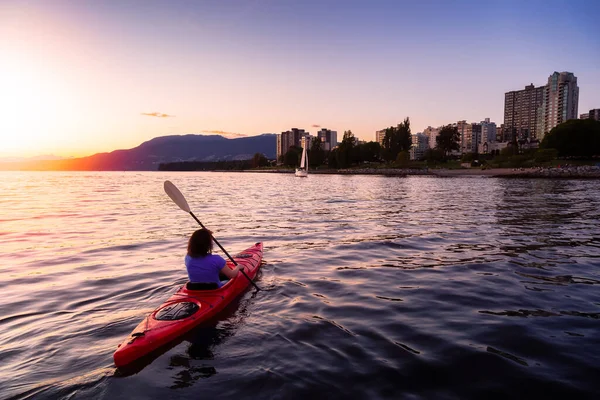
{"x": 164, "y": 149}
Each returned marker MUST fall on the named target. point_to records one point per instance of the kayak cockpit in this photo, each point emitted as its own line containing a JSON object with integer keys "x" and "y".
{"x": 201, "y": 286}
{"x": 176, "y": 311}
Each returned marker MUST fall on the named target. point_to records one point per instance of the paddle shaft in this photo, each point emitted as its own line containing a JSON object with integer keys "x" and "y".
{"x": 225, "y": 251}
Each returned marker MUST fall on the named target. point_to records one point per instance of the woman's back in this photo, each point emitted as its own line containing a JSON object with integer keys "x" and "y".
{"x": 205, "y": 268}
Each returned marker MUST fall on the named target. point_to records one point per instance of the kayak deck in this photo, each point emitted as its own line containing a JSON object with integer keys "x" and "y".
{"x": 186, "y": 309}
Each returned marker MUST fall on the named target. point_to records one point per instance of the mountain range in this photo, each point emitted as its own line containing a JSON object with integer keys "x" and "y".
{"x": 148, "y": 155}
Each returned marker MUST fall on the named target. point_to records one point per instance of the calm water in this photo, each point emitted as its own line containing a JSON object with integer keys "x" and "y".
{"x": 373, "y": 287}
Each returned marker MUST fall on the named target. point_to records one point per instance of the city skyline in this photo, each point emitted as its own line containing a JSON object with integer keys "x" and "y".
{"x": 87, "y": 77}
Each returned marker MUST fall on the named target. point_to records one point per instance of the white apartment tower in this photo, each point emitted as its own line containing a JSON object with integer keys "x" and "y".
{"x": 561, "y": 101}
{"x": 432, "y": 134}
{"x": 488, "y": 136}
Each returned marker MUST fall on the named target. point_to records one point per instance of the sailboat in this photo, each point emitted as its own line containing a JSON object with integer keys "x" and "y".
{"x": 303, "y": 170}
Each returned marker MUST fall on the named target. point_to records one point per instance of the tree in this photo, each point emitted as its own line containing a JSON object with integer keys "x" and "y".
{"x": 316, "y": 154}
{"x": 332, "y": 159}
{"x": 545, "y": 155}
{"x": 434, "y": 155}
{"x": 345, "y": 150}
{"x": 468, "y": 157}
{"x": 574, "y": 138}
{"x": 396, "y": 139}
{"x": 447, "y": 140}
{"x": 259, "y": 160}
{"x": 402, "y": 159}
{"x": 509, "y": 151}
{"x": 369, "y": 151}
{"x": 292, "y": 157}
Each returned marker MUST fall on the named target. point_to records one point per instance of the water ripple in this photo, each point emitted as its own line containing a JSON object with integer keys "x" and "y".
{"x": 377, "y": 287}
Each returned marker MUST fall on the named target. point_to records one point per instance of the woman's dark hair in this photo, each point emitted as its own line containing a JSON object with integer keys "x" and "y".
{"x": 200, "y": 243}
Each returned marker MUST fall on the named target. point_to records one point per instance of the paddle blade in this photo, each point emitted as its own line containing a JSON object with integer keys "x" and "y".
{"x": 175, "y": 195}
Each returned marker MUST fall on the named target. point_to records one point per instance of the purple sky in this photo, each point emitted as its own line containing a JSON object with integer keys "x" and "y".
{"x": 81, "y": 74}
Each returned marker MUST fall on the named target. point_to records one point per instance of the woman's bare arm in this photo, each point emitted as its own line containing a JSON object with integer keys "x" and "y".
{"x": 230, "y": 273}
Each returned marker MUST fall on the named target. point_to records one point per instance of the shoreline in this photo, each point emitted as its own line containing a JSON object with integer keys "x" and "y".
{"x": 580, "y": 172}
{"x": 568, "y": 172}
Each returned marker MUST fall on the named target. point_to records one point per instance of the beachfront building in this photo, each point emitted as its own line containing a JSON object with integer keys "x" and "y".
{"x": 432, "y": 134}
{"x": 306, "y": 141}
{"x": 379, "y": 136}
{"x": 420, "y": 144}
{"x": 592, "y": 114}
{"x": 495, "y": 147}
{"x": 500, "y": 133}
{"x": 487, "y": 137}
{"x": 328, "y": 138}
{"x": 464, "y": 129}
{"x": 561, "y": 101}
{"x": 287, "y": 139}
{"x": 469, "y": 134}
{"x": 522, "y": 111}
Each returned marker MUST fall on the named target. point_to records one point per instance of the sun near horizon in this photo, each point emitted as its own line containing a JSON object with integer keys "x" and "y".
{"x": 79, "y": 78}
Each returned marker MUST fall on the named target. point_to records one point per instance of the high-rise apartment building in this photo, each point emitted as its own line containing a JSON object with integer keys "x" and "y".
{"x": 379, "y": 136}
{"x": 500, "y": 133}
{"x": 488, "y": 135}
{"x": 469, "y": 134}
{"x": 287, "y": 139}
{"x": 593, "y": 114}
{"x": 561, "y": 100}
{"x": 522, "y": 111}
{"x": 328, "y": 138}
{"x": 420, "y": 144}
{"x": 432, "y": 134}
{"x": 464, "y": 129}
{"x": 305, "y": 141}
{"x": 488, "y": 131}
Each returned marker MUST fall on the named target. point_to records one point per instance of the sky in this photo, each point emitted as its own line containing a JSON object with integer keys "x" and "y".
{"x": 81, "y": 77}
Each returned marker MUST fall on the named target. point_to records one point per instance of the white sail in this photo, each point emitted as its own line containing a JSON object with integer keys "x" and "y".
{"x": 303, "y": 159}
{"x": 303, "y": 170}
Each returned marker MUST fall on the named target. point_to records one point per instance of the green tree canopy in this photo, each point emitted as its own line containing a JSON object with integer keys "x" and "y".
{"x": 396, "y": 139}
{"x": 316, "y": 154}
{"x": 545, "y": 155}
{"x": 448, "y": 138}
{"x": 292, "y": 157}
{"x": 574, "y": 138}
{"x": 332, "y": 159}
{"x": 259, "y": 160}
{"x": 344, "y": 154}
{"x": 369, "y": 151}
{"x": 434, "y": 155}
{"x": 402, "y": 159}
{"x": 468, "y": 157}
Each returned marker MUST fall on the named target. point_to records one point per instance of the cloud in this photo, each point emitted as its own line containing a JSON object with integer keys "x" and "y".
{"x": 157, "y": 114}
{"x": 225, "y": 134}
{"x": 316, "y": 126}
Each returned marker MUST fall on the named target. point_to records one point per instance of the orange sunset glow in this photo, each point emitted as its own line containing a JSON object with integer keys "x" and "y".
{"x": 80, "y": 78}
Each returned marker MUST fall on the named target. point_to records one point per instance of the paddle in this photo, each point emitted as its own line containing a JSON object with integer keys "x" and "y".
{"x": 178, "y": 199}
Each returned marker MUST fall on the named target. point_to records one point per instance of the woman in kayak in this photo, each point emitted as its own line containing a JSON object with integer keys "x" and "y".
{"x": 202, "y": 266}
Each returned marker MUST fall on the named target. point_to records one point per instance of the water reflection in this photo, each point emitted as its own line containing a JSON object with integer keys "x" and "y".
{"x": 375, "y": 288}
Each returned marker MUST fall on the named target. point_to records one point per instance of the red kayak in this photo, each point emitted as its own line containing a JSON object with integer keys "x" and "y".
{"x": 191, "y": 305}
